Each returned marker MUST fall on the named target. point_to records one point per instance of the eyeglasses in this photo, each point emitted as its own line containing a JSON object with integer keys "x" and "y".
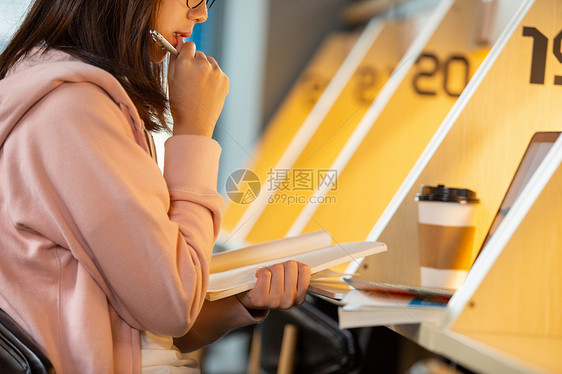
{"x": 192, "y": 4}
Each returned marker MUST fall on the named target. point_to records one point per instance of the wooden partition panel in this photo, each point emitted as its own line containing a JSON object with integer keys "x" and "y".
{"x": 505, "y": 316}
{"x": 480, "y": 143}
{"x": 522, "y": 291}
{"x": 292, "y": 186}
{"x": 401, "y": 132}
{"x": 285, "y": 124}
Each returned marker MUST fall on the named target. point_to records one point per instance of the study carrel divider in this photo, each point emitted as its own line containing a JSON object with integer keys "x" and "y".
{"x": 354, "y": 86}
{"x": 505, "y": 316}
{"x": 287, "y": 134}
{"x": 513, "y": 297}
{"x": 480, "y": 142}
{"x": 286, "y": 122}
{"x": 389, "y": 53}
{"x": 391, "y": 137}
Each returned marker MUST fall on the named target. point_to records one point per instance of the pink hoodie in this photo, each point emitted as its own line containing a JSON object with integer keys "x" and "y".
{"x": 96, "y": 244}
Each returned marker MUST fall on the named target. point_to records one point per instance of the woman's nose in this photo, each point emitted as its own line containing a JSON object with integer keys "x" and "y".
{"x": 198, "y": 14}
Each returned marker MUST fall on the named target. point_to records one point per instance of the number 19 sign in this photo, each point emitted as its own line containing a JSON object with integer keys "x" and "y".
{"x": 540, "y": 51}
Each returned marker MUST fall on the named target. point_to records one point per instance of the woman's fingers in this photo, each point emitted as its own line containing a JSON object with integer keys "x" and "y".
{"x": 259, "y": 295}
{"x": 303, "y": 282}
{"x": 201, "y": 56}
{"x": 277, "y": 282}
{"x": 290, "y": 283}
{"x": 280, "y": 286}
{"x": 214, "y": 64}
{"x": 187, "y": 48}
{"x": 198, "y": 88}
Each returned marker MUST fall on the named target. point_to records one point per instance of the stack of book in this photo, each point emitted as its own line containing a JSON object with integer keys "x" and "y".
{"x": 376, "y": 304}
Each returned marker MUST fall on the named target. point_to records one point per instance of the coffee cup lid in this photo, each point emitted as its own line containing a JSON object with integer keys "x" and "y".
{"x": 446, "y": 194}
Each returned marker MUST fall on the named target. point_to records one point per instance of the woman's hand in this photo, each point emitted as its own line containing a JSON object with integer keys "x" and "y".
{"x": 279, "y": 286}
{"x": 198, "y": 88}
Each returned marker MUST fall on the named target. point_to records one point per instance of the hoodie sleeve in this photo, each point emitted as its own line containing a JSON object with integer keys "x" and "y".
{"x": 145, "y": 239}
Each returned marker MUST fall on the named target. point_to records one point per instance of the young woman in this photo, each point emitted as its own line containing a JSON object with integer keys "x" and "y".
{"x": 98, "y": 247}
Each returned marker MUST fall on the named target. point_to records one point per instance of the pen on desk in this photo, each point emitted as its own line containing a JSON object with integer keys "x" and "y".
{"x": 163, "y": 43}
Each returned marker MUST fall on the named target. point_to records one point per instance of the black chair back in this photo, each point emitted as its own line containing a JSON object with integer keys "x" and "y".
{"x": 19, "y": 353}
{"x": 321, "y": 347}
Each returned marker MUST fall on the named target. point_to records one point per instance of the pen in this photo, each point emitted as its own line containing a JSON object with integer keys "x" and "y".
{"x": 163, "y": 43}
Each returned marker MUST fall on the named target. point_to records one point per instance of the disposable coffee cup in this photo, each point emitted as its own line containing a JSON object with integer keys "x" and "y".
{"x": 446, "y": 226}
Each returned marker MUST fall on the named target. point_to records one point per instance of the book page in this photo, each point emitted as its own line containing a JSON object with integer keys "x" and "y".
{"x": 272, "y": 250}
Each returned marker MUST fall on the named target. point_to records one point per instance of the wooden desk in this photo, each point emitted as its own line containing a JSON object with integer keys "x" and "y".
{"x": 487, "y": 353}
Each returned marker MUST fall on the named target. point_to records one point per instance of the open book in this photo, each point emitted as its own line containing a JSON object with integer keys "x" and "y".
{"x": 234, "y": 271}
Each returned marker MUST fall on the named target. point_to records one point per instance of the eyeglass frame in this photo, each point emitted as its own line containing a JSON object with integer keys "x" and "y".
{"x": 201, "y": 2}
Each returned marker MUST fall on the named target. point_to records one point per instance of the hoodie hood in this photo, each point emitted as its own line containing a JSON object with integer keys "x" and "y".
{"x": 40, "y": 72}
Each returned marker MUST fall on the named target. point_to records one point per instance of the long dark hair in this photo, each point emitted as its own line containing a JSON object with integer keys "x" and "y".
{"x": 110, "y": 34}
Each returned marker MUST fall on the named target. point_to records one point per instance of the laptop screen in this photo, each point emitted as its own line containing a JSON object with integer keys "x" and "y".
{"x": 538, "y": 147}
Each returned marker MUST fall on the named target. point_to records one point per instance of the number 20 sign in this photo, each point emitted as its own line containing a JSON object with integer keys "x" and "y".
{"x": 540, "y": 50}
